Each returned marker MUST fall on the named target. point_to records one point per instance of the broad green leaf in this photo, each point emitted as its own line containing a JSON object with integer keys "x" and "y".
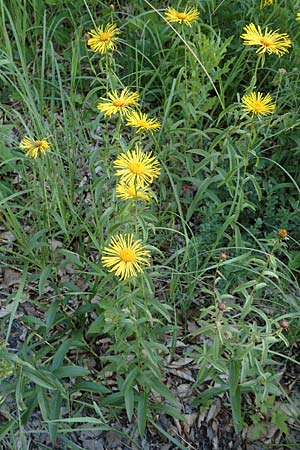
{"x": 71, "y": 371}
{"x": 129, "y": 402}
{"x": 97, "y": 326}
{"x": 43, "y": 278}
{"x": 235, "y": 395}
{"x": 142, "y": 413}
{"x": 63, "y": 349}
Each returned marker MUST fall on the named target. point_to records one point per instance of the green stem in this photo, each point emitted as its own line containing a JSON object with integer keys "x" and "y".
{"x": 251, "y": 141}
{"x": 254, "y": 76}
{"x": 47, "y": 225}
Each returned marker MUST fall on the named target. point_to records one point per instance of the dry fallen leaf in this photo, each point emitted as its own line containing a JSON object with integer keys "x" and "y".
{"x": 5, "y": 311}
{"x": 11, "y": 277}
{"x": 181, "y": 362}
{"x": 184, "y": 390}
{"x": 185, "y": 375}
{"x": 190, "y": 420}
{"x": 7, "y": 237}
{"x": 214, "y": 410}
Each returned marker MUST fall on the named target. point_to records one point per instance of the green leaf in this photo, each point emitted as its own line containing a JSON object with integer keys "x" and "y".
{"x": 17, "y": 300}
{"x": 51, "y": 315}
{"x": 71, "y": 371}
{"x": 279, "y": 418}
{"x": 93, "y": 420}
{"x": 43, "y": 402}
{"x": 55, "y": 402}
{"x": 115, "y": 399}
{"x": 235, "y": 395}
{"x": 43, "y": 278}
{"x": 130, "y": 379}
{"x": 43, "y": 379}
{"x": 234, "y": 375}
{"x": 173, "y": 412}
{"x": 71, "y": 257}
{"x": 129, "y": 402}
{"x": 97, "y": 326}
{"x": 63, "y": 349}
{"x": 216, "y": 348}
{"x": 157, "y": 386}
{"x": 208, "y": 394}
{"x": 128, "y": 391}
{"x": 142, "y": 413}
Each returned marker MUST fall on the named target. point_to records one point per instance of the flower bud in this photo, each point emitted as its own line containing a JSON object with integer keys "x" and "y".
{"x": 224, "y": 256}
{"x": 222, "y": 306}
{"x": 284, "y": 324}
{"x": 282, "y": 233}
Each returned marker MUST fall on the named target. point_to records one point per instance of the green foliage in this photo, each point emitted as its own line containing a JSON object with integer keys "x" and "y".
{"x": 236, "y": 355}
{"x": 96, "y": 345}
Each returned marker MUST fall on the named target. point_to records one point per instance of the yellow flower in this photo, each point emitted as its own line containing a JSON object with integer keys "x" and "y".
{"x": 187, "y": 16}
{"x": 282, "y": 233}
{"x": 266, "y": 2}
{"x": 269, "y": 42}
{"x": 118, "y": 103}
{"x": 137, "y": 167}
{"x": 141, "y": 121}
{"x": 125, "y": 256}
{"x": 256, "y": 104}
{"x": 34, "y": 147}
{"x": 131, "y": 190}
{"x": 104, "y": 38}
{"x": 298, "y": 16}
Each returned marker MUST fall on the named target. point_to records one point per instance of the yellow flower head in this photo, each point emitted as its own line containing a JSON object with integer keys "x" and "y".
{"x": 34, "y": 147}
{"x": 266, "y": 3}
{"x": 269, "y": 42}
{"x": 256, "y": 104}
{"x": 187, "y": 16}
{"x": 137, "y": 167}
{"x": 127, "y": 191}
{"x": 118, "y": 102}
{"x": 282, "y": 233}
{"x": 141, "y": 121}
{"x": 298, "y": 16}
{"x": 125, "y": 256}
{"x": 104, "y": 38}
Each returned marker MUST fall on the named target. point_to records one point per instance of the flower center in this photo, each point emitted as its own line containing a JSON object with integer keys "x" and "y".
{"x": 38, "y": 144}
{"x": 132, "y": 191}
{"x": 181, "y": 16}
{"x": 103, "y": 37}
{"x": 143, "y": 124}
{"x": 136, "y": 167}
{"x": 119, "y": 102}
{"x": 127, "y": 255}
{"x": 266, "y": 41}
{"x": 257, "y": 106}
